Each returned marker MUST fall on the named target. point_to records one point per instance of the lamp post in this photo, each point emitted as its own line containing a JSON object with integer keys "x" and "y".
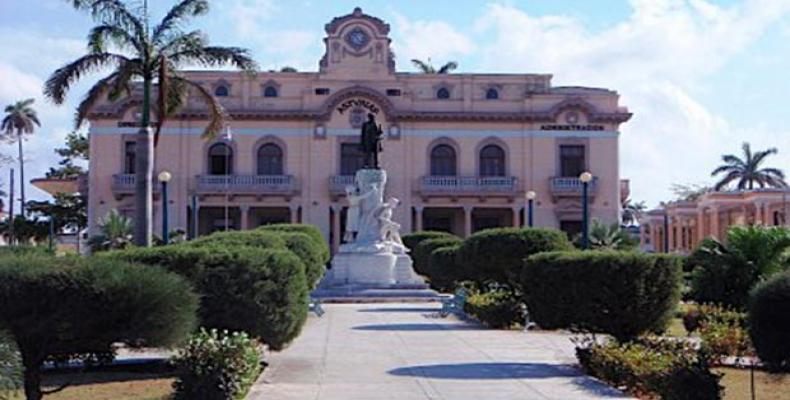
{"x": 585, "y": 177}
{"x": 164, "y": 178}
{"x": 530, "y": 205}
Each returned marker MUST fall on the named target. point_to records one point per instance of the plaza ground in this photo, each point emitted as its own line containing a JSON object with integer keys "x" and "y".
{"x": 405, "y": 352}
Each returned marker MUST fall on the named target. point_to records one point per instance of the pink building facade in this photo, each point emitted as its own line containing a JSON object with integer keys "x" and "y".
{"x": 461, "y": 150}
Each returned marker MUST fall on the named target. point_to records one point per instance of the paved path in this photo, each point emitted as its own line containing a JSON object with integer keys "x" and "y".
{"x": 405, "y": 352}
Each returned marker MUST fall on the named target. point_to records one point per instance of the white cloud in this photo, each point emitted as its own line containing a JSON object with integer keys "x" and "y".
{"x": 659, "y": 59}
{"x": 423, "y": 39}
{"x": 249, "y": 15}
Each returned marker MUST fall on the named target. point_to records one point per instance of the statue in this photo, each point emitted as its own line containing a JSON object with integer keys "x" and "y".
{"x": 370, "y": 141}
{"x": 354, "y": 213}
{"x": 389, "y": 230}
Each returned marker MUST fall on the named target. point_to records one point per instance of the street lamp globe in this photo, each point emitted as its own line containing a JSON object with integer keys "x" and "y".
{"x": 586, "y": 177}
{"x": 531, "y": 195}
{"x": 165, "y": 176}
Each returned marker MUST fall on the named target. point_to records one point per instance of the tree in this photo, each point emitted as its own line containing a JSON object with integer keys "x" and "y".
{"x": 609, "y": 237}
{"x": 689, "y": 191}
{"x": 21, "y": 119}
{"x": 427, "y": 67}
{"x": 288, "y": 69}
{"x": 146, "y": 57}
{"x": 747, "y": 171}
{"x": 632, "y": 211}
{"x": 116, "y": 232}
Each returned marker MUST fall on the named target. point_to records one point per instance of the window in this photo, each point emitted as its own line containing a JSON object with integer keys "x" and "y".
{"x": 572, "y": 162}
{"x": 492, "y": 94}
{"x": 129, "y": 157}
{"x": 492, "y": 161}
{"x": 321, "y": 91}
{"x": 443, "y": 161}
{"x": 352, "y": 158}
{"x": 220, "y": 159}
{"x": 443, "y": 94}
{"x": 270, "y": 160}
{"x": 393, "y": 92}
{"x": 270, "y": 91}
{"x": 222, "y": 91}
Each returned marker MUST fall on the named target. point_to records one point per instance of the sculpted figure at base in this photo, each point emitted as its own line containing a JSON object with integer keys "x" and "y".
{"x": 369, "y": 224}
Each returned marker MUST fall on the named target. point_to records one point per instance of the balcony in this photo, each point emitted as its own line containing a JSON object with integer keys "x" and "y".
{"x": 571, "y": 187}
{"x": 338, "y": 183}
{"x": 471, "y": 186}
{"x": 236, "y": 185}
{"x": 124, "y": 185}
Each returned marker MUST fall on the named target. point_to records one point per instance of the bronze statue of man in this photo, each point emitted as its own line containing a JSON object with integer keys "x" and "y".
{"x": 370, "y": 141}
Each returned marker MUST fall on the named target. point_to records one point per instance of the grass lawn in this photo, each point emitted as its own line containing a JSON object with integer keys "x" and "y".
{"x": 737, "y": 386}
{"x": 108, "y": 386}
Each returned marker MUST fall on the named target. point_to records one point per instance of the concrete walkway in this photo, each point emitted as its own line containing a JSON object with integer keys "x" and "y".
{"x": 404, "y": 352}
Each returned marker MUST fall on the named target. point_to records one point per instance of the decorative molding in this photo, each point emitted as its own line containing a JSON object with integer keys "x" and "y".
{"x": 380, "y": 26}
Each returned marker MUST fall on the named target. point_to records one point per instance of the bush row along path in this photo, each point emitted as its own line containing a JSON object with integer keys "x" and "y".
{"x": 405, "y": 352}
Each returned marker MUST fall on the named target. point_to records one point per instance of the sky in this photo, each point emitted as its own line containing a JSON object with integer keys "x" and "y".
{"x": 700, "y": 76}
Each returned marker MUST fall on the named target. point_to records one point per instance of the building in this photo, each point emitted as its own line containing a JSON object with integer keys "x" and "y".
{"x": 682, "y": 225}
{"x": 461, "y": 150}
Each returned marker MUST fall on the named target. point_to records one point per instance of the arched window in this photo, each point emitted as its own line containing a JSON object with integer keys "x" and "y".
{"x": 222, "y": 91}
{"x": 220, "y": 159}
{"x": 270, "y": 160}
{"x": 492, "y": 94}
{"x": 443, "y": 93}
{"x": 492, "y": 161}
{"x": 270, "y": 91}
{"x": 443, "y": 162}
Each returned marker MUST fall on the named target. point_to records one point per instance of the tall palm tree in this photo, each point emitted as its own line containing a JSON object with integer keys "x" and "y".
{"x": 427, "y": 67}
{"x": 20, "y": 119}
{"x": 748, "y": 172}
{"x": 141, "y": 56}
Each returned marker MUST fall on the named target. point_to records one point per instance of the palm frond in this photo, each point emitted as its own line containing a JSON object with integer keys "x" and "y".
{"x": 724, "y": 168}
{"x": 732, "y": 160}
{"x": 733, "y": 175}
{"x": 92, "y": 97}
{"x": 760, "y": 156}
{"x": 183, "y": 42}
{"x": 122, "y": 84}
{"x": 217, "y": 114}
{"x": 115, "y": 12}
{"x": 100, "y": 35}
{"x": 447, "y": 68}
{"x": 182, "y": 11}
{"x": 217, "y": 56}
{"x": 424, "y": 67}
{"x": 61, "y": 80}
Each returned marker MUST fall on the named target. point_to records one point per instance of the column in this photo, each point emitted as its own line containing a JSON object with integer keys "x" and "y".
{"x": 700, "y": 225}
{"x": 468, "y": 221}
{"x": 336, "y": 227}
{"x": 245, "y": 216}
{"x": 714, "y": 222}
{"x": 294, "y": 214}
{"x": 516, "y": 219}
{"x": 671, "y": 235}
{"x": 418, "y": 218}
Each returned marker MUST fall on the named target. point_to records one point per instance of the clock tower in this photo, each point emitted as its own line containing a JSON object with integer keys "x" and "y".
{"x": 357, "y": 46}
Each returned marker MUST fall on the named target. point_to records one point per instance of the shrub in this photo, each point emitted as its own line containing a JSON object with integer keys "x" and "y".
{"x": 721, "y": 339}
{"x": 413, "y": 239}
{"x": 309, "y": 252}
{"x": 725, "y": 274}
{"x": 497, "y": 308}
{"x": 309, "y": 230}
{"x": 216, "y": 366}
{"x": 696, "y": 315}
{"x": 443, "y": 268}
{"x": 422, "y": 254}
{"x": 497, "y": 255}
{"x": 620, "y": 293}
{"x": 259, "y": 291}
{"x": 769, "y": 321}
{"x": 10, "y": 367}
{"x": 56, "y": 307}
{"x": 673, "y": 370}
{"x": 254, "y": 238}
{"x": 25, "y": 250}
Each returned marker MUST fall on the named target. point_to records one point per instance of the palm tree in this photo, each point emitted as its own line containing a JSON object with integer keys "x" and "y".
{"x": 609, "y": 237}
{"x": 145, "y": 57}
{"x": 20, "y": 119}
{"x": 747, "y": 171}
{"x": 632, "y": 211}
{"x": 427, "y": 67}
{"x": 116, "y": 232}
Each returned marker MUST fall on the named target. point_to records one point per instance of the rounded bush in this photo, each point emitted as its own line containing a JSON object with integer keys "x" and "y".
{"x": 259, "y": 291}
{"x": 443, "y": 269}
{"x": 255, "y": 238}
{"x": 623, "y": 294}
{"x": 497, "y": 255}
{"x": 497, "y": 309}
{"x": 769, "y": 321}
{"x": 422, "y": 253}
{"x": 309, "y": 230}
{"x": 309, "y": 252}
{"x": 411, "y": 240}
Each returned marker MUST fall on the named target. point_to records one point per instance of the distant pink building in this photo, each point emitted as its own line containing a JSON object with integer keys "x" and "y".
{"x": 461, "y": 149}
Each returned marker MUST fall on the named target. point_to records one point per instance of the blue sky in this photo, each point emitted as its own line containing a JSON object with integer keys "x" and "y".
{"x": 701, "y": 76}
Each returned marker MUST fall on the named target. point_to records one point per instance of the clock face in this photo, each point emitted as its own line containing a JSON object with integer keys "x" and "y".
{"x": 357, "y": 38}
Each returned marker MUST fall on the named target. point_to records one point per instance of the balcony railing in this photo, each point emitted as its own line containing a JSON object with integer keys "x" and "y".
{"x": 571, "y": 187}
{"x": 125, "y": 184}
{"x": 468, "y": 185}
{"x": 246, "y": 184}
{"x": 338, "y": 183}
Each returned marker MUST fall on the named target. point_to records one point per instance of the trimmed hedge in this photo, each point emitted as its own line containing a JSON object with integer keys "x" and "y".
{"x": 309, "y": 230}
{"x": 254, "y": 238}
{"x": 259, "y": 291}
{"x": 443, "y": 269}
{"x": 422, "y": 253}
{"x": 25, "y": 250}
{"x": 497, "y": 309}
{"x": 623, "y": 294}
{"x": 413, "y": 239}
{"x": 310, "y": 252}
{"x": 497, "y": 255}
{"x": 769, "y": 321}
